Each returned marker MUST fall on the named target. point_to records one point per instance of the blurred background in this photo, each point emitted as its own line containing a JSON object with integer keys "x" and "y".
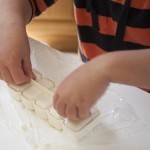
{"x": 56, "y": 27}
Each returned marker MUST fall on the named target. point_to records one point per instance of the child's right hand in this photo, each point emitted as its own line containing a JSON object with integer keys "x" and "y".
{"x": 15, "y": 65}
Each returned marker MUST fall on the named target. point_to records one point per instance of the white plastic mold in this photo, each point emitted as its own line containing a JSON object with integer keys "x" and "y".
{"x": 38, "y": 96}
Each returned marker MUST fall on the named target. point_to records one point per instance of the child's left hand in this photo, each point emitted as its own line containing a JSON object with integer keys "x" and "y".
{"x": 80, "y": 90}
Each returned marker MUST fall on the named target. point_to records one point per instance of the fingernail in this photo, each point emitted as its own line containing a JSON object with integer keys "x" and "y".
{"x": 33, "y": 76}
{"x": 87, "y": 115}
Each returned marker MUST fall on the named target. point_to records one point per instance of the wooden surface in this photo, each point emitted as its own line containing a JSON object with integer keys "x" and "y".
{"x": 56, "y": 26}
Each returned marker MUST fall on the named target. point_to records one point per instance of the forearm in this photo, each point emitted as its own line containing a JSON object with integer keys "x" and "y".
{"x": 16, "y": 10}
{"x": 127, "y": 67}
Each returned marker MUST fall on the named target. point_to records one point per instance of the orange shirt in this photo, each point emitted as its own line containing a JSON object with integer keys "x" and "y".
{"x": 108, "y": 25}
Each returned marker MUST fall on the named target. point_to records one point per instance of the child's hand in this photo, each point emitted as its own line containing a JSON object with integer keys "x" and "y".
{"x": 15, "y": 65}
{"x": 80, "y": 90}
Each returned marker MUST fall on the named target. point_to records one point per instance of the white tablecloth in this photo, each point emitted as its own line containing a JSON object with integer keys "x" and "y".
{"x": 124, "y": 126}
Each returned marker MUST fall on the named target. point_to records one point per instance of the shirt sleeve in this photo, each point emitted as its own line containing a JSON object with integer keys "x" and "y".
{"x": 38, "y": 6}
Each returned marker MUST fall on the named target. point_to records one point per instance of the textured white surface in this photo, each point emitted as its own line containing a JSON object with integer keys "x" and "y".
{"x": 46, "y": 83}
{"x": 11, "y": 141}
{"x": 45, "y": 100}
{"x": 124, "y": 123}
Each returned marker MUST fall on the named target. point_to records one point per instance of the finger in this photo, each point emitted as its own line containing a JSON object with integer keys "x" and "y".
{"x": 6, "y": 76}
{"x": 1, "y": 77}
{"x": 55, "y": 100}
{"x": 59, "y": 104}
{"x": 83, "y": 111}
{"x": 72, "y": 112}
{"x": 18, "y": 74}
{"x": 27, "y": 67}
{"x": 33, "y": 76}
{"x": 61, "y": 109}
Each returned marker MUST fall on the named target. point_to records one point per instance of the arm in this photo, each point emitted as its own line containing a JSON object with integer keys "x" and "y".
{"x": 130, "y": 67}
{"x": 17, "y": 10}
{"x": 127, "y": 67}
{"x": 15, "y": 64}
{"x": 76, "y": 95}
{"x": 22, "y": 9}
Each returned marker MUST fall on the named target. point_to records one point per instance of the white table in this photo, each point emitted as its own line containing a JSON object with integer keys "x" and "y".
{"x": 57, "y": 65}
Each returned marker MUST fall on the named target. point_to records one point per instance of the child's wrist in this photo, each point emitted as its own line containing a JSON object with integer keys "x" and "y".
{"x": 102, "y": 66}
{"x": 108, "y": 65}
